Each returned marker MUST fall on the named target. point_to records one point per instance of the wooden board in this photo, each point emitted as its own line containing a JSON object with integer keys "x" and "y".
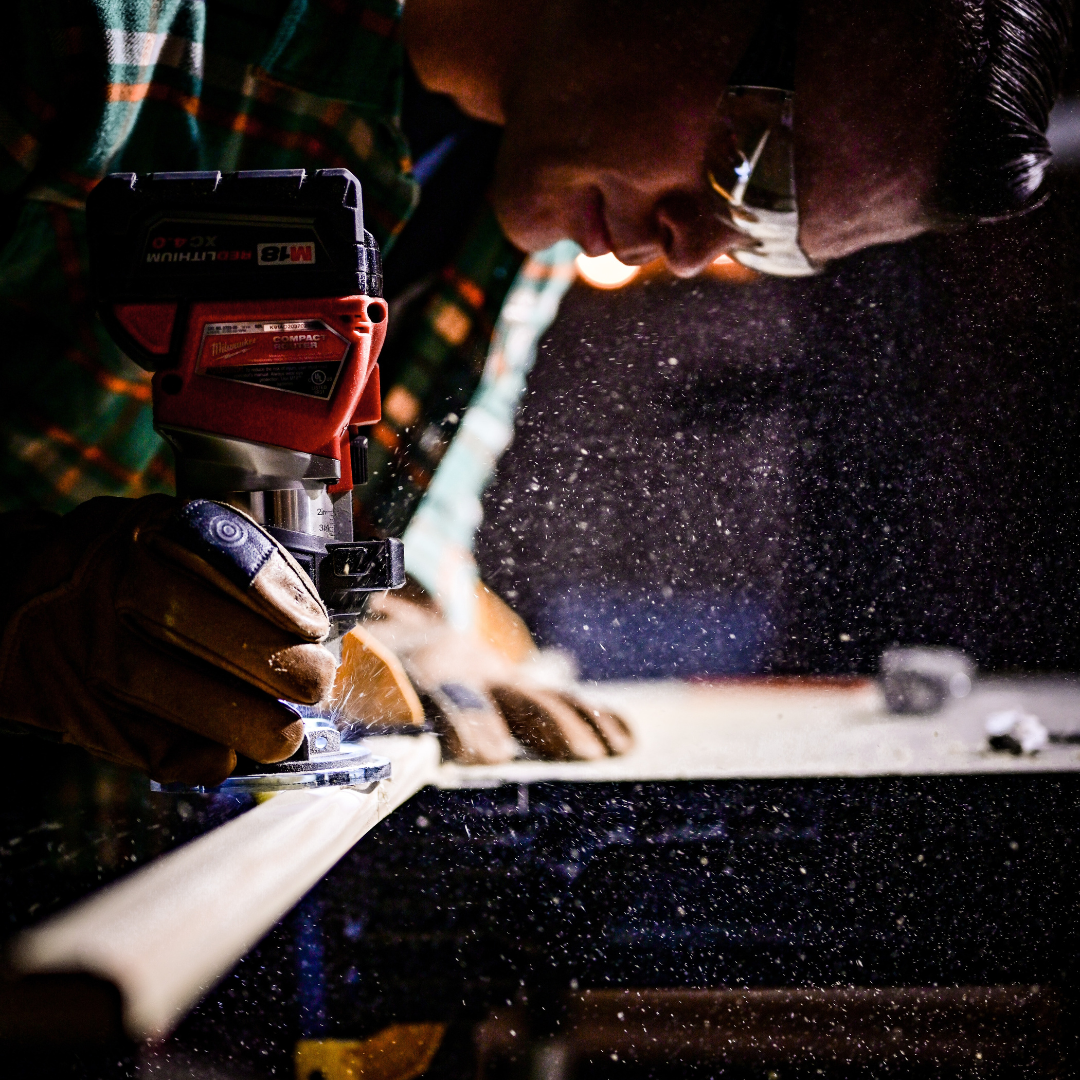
{"x": 756, "y": 728}
{"x": 166, "y": 933}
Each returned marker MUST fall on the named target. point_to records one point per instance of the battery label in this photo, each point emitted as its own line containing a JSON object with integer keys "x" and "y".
{"x": 221, "y": 245}
{"x": 287, "y": 254}
{"x": 303, "y": 357}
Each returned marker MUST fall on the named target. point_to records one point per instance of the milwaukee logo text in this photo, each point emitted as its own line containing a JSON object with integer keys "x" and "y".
{"x": 218, "y": 349}
{"x": 287, "y": 254}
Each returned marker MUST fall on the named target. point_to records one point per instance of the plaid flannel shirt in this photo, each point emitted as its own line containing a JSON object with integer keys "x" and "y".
{"x": 89, "y": 87}
{"x": 95, "y": 86}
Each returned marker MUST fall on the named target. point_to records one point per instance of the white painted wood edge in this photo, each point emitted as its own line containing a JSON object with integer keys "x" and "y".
{"x": 168, "y": 932}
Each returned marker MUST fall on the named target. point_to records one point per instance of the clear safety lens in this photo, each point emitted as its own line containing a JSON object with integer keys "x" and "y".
{"x": 751, "y": 169}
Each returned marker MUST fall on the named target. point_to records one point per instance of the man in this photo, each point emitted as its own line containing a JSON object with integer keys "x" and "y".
{"x": 618, "y": 134}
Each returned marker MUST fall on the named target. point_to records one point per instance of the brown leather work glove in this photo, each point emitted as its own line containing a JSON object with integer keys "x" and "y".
{"x": 159, "y": 635}
{"x": 476, "y": 688}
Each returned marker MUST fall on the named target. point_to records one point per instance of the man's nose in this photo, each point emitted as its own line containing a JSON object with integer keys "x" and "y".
{"x": 693, "y": 233}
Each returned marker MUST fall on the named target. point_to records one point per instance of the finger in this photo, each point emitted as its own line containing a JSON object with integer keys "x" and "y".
{"x": 371, "y": 686}
{"x": 225, "y": 547}
{"x": 185, "y": 611}
{"x": 543, "y": 722}
{"x": 501, "y": 628}
{"x": 473, "y": 732}
{"x": 175, "y": 756}
{"x": 165, "y": 751}
{"x": 402, "y": 624}
{"x": 613, "y": 730}
{"x": 195, "y": 697}
{"x": 195, "y": 760}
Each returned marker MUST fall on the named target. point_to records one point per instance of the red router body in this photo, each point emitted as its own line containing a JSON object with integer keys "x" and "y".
{"x": 255, "y": 300}
{"x": 233, "y": 353}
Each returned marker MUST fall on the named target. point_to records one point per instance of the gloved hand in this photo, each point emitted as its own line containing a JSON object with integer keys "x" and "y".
{"x": 477, "y": 686}
{"x": 159, "y": 635}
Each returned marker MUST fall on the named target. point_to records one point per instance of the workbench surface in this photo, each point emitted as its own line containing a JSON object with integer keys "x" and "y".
{"x": 787, "y": 727}
{"x": 167, "y": 932}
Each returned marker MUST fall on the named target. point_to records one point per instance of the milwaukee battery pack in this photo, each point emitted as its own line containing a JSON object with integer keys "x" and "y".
{"x": 255, "y": 299}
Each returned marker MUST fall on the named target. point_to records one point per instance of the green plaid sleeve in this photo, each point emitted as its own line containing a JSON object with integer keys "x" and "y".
{"x": 94, "y": 86}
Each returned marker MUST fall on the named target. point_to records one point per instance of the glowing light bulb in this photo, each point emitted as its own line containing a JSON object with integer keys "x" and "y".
{"x": 605, "y": 271}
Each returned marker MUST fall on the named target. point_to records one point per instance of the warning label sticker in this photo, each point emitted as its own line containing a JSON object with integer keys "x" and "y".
{"x": 297, "y": 357}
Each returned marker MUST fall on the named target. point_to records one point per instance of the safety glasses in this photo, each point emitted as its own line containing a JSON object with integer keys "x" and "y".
{"x": 750, "y": 165}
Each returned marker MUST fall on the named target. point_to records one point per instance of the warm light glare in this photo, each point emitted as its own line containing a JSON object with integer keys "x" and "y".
{"x": 605, "y": 271}
{"x": 727, "y": 269}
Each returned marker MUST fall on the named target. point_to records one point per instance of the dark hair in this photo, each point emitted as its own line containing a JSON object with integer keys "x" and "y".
{"x": 1013, "y": 55}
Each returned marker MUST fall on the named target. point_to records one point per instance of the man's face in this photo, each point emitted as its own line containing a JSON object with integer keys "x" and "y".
{"x": 609, "y": 107}
{"x": 607, "y": 126}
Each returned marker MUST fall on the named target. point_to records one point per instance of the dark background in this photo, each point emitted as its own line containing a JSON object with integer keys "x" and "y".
{"x": 883, "y": 453}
